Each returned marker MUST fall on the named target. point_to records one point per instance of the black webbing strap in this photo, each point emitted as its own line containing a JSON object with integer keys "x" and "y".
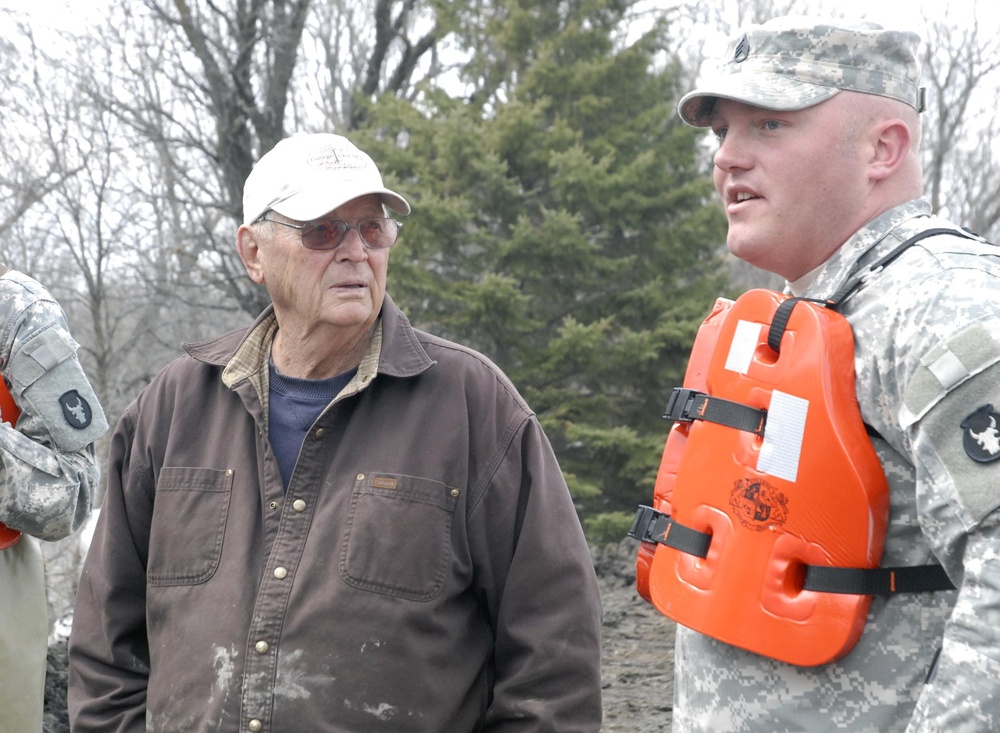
{"x": 650, "y": 525}
{"x": 784, "y": 311}
{"x": 687, "y": 405}
{"x": 853, "y": 284}
{"x": 877, "y": 581}
{"x": 780, "y": 321}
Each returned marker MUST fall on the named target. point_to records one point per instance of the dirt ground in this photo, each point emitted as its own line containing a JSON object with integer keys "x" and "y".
{"x": 638, "y": 653}
{"x": 637, "y": 668}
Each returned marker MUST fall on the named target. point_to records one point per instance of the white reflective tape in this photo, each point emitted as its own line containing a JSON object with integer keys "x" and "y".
{"x": 783, "y": 434}
{"x": 741, "y": 350}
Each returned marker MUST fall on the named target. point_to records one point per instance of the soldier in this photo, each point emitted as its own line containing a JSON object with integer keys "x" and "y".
{"x": 819, "y": 173}
{"x": 47, "y": 481}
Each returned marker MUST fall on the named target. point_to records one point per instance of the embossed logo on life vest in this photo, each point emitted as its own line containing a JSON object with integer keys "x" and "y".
{"x": 981, "y": 436}
{"x": 757, "y": 504}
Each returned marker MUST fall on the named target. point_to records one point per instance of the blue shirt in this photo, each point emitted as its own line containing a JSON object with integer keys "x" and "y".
{"x": 293, "y": 407}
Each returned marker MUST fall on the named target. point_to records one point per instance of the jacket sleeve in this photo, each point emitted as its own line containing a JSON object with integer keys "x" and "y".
{"x": 963, "y": 690}
{"x": 537, "y": 574}
{"x": 49, "y": 472}
{"x": 108, "y": 649}
{"x": 959, "y": 500}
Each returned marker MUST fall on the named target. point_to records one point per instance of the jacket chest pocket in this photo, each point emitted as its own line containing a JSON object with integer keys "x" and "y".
{"x": 398, "y": 535}
{"x": 189, "y": 523}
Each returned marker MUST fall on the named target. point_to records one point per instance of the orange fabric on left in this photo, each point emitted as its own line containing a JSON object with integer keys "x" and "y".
{"x": 10, "y": 413}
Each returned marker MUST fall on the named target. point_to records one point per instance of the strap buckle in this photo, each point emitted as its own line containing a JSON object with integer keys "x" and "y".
{"x": 650, "y": 525}
{"x": 644, "y": 524}
{"x": 681, "y": 405}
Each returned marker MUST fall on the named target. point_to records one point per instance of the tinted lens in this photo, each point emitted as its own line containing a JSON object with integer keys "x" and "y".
{"x": 325, "y": 235}
{"x": 376, "y": 233}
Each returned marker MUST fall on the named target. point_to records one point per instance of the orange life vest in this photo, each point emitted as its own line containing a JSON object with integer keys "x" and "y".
{"x": 10, "y": 412}
{"x": 768, "y": 479}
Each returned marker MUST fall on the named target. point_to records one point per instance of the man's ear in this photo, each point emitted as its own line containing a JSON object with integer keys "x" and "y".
{"x": 249, "y": 251}
{"x": 891, "y": 149}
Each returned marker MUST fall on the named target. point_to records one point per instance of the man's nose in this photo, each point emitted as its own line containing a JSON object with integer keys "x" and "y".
{"x": 731, "y": 153}
{"x": 352, "y": 247}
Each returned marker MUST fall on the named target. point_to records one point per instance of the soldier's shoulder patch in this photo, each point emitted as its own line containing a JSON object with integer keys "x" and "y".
{"x": 76, "y": 409}
{"x": 981, "y": 434}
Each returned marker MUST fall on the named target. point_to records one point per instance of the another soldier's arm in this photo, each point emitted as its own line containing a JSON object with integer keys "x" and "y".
{"x": 49, "y": 471}
{"x": 51, "y": 496}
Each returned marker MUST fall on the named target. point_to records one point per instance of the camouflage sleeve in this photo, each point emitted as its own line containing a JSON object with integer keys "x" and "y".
{"x": 956, "y": 441}
{"x": 49, "y": 469}
{"x": 963, "y": 691}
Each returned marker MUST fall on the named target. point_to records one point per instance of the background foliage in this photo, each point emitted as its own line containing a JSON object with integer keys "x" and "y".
{"x": 564, "y": 220}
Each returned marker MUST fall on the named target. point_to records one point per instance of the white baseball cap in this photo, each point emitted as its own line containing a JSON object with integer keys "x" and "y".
{"x": 308, "y": 174}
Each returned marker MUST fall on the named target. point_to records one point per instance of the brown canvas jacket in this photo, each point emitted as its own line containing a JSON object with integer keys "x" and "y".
{"x": 424, "y": 571}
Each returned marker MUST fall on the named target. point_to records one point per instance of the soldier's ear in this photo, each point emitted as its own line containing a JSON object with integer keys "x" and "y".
{"x": 891, "y": 147}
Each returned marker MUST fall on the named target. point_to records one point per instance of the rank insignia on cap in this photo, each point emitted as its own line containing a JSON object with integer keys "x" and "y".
{"x": 981, "y": 438}
{"x": 742, "y": 50}
{"x": 76, "y": 409}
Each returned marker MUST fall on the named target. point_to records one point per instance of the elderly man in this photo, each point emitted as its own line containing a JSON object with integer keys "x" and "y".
{"x": 819, "y": 173}
{"x": 331, "y": 521}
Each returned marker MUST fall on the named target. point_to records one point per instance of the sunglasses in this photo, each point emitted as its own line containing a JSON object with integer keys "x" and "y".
{"x": 379, "y": 233}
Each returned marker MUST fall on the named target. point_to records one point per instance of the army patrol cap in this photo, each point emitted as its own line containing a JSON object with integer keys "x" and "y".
{"x": 791, "y": 63}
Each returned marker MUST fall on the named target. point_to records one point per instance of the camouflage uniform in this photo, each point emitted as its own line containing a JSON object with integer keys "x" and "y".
{"x": 927, "y": 360}
{"x": 937, "y": 305}
{"x": 47, "y": 482}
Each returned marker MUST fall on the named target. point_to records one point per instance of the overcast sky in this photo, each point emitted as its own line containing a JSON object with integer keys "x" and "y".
{"x": 900, "y": 13}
